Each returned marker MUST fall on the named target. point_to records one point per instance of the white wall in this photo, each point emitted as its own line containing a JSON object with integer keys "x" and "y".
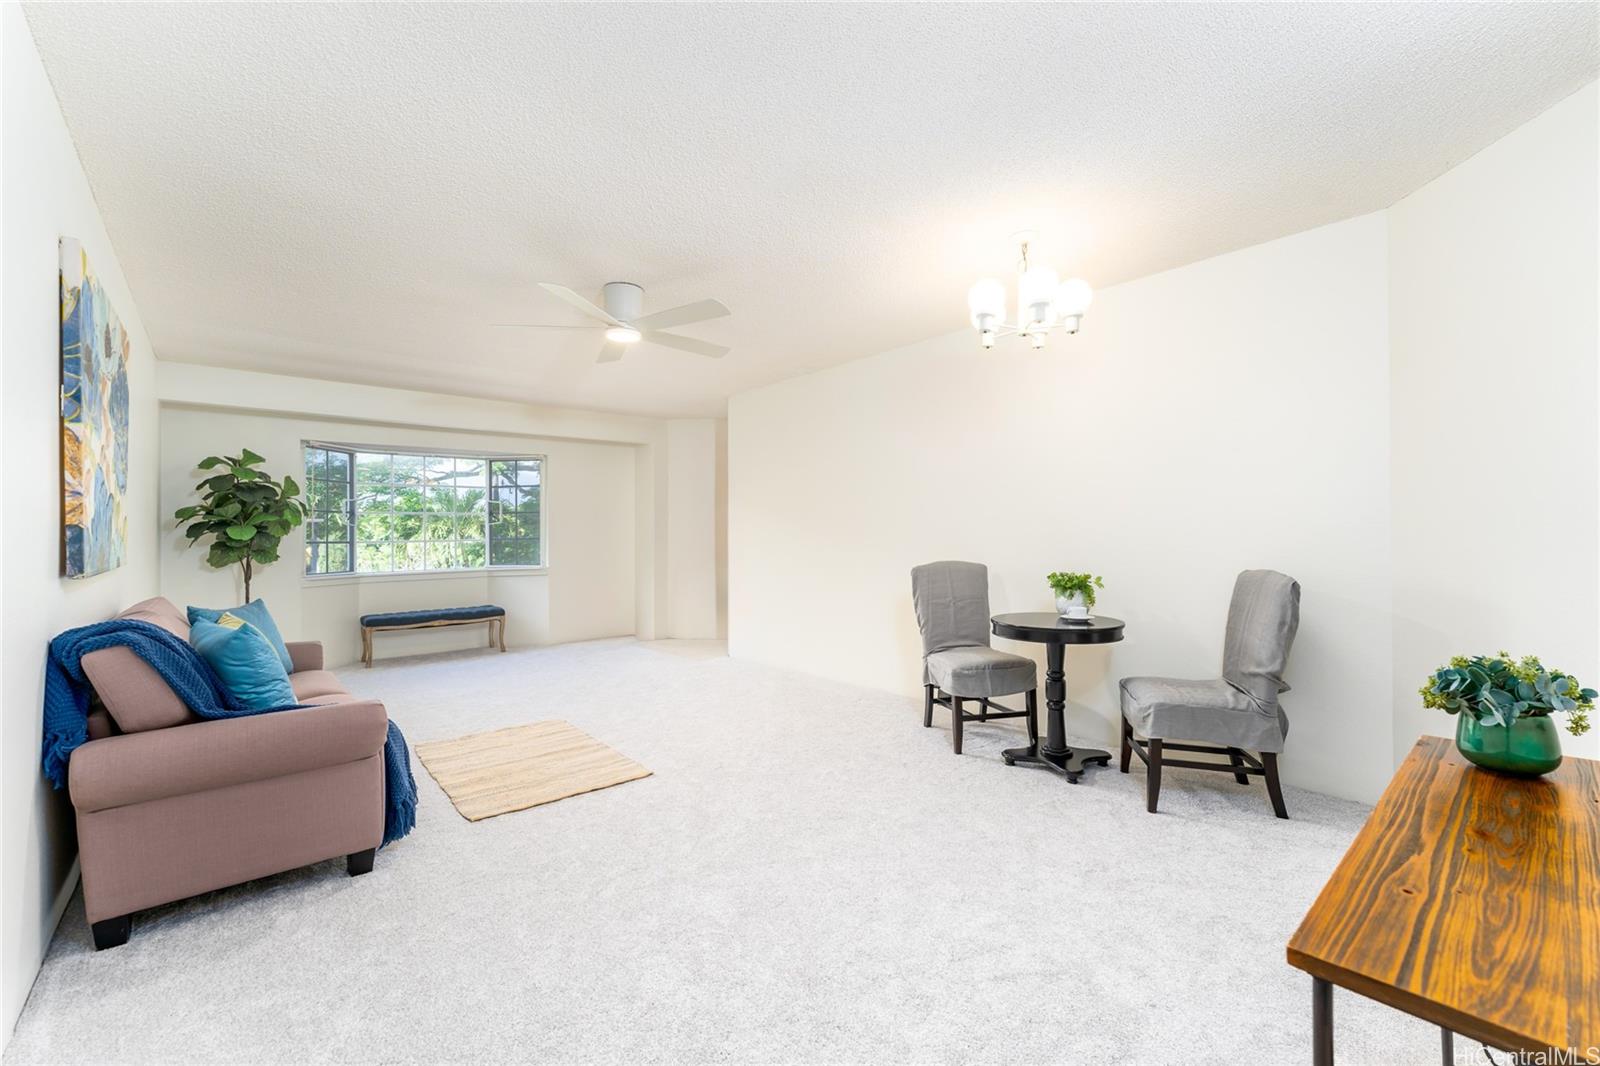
{"x": 692, "y": 586}
{"x": 1493, "y": 284}
{"x": 670, "y": 517}
{"x": 1399, "y": 410}
{"x": 1225, "y": 415}
{"x": 587, "y": 591}
{"x": 46, "y": 197}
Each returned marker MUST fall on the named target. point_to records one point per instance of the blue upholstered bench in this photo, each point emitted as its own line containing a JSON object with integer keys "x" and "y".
{"x": 438, "y": 616}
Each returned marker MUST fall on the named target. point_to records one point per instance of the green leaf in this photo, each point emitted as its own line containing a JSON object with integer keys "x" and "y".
{"x": 290, "y": 486}
{"x": 249, "y": 458}
{"x": 243, "y": 533}
{"x": 223, "y": 554}
{"x": 264, "y": 556}
{"x": 185, "y": 513}
{"x": 210, "y": 462}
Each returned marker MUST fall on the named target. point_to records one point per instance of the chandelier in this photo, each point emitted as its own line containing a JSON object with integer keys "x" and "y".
{"x": 1044, "y": 302}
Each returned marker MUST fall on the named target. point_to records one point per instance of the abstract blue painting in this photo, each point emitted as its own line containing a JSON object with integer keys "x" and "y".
{"x": 94, "y": 422}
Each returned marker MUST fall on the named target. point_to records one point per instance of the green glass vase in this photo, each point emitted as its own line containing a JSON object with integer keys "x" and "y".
{"x": 1528, "y": 747}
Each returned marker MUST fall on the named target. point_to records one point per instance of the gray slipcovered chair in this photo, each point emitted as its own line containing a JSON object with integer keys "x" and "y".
{"x": 1234, "y": 714}
{"x": 952, "y": 601}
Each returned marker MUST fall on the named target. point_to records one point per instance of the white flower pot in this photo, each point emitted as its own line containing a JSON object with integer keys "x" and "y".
{"x": 1072, "y": 607}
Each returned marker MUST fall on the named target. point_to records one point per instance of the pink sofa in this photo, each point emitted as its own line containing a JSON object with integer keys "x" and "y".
{"x": 169, "y": 805}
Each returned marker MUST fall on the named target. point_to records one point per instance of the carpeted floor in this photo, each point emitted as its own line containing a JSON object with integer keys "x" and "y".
{"x": 809, "y": 876}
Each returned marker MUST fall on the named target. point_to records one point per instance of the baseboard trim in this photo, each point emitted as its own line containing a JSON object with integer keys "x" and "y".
{"x": 63, "y": 897}
{"x": 58, "y": 908}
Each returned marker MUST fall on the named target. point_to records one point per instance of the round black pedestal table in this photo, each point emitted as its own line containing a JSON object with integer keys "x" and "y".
{"x": 1055, "y": 633}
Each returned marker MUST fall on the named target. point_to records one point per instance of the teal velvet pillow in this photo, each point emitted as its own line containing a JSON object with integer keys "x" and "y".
{"x": 244, "y": 661}
{"x": 254, "y": 612}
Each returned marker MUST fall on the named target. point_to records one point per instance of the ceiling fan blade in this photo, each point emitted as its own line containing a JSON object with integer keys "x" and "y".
{"x": 682, "y": 316}
{"x": 535, "y": 325}
{"x": 611, "y": 351}
{"x": 561, "y": 292}
{"x": 688, "y": 344}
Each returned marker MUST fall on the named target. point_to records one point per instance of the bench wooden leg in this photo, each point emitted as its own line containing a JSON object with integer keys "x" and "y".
{"x": 502, "y": 633}
{"x": 366, "y": 646}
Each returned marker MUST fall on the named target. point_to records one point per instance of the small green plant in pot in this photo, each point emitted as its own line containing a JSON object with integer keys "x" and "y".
{"x": 1504, "y": 708}
{"x": 245, "y": 510}
{"x": 1075, "y": 594}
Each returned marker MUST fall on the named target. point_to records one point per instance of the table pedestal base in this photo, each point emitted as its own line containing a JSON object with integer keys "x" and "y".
{"x": 1070, "y": 764}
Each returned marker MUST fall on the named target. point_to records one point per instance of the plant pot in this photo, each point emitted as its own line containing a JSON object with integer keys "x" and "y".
{"x": 1072, "y": 607}
{"x": 1528, "y": 747}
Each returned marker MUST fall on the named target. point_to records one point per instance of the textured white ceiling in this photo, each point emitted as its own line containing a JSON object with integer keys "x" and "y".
{"x": 355, "y": 191}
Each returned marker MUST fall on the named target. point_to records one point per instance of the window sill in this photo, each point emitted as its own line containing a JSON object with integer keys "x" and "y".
{"x": 321, "y": 580}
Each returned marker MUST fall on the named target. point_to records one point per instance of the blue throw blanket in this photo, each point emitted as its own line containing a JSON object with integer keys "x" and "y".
{"x": 66, "y": 704}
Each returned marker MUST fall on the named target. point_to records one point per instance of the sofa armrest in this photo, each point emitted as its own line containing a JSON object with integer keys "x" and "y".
{"x": 304, "y": 654}
{"x": 139, "y": 767}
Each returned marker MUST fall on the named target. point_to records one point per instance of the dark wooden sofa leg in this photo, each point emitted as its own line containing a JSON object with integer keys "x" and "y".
{"x": 360, "y": 862}
{"x": 1126, "y": 751}
{"x": 1152, "y": 781}
{"x": 112, "y": 933}
{"x": 927, "y": 706}
{"x": 1269, "y": 763}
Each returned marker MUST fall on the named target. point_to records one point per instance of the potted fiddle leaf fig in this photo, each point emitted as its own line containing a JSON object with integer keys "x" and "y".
{"x": 1075, "y": 594}
{"x": 245, "y": 510}
{"x": 1504, "y": 710}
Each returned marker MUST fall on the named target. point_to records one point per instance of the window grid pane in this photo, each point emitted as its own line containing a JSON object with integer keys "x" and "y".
{"x": 396, "y": 512}
{"x": 326, "y": 500}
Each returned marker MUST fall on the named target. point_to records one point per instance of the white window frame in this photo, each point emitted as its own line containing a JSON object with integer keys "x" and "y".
{"x": 353, "y": 576}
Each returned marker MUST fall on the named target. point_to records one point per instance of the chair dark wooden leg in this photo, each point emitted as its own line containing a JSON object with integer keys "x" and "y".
{"x": 927, "y": 706}
{"x": 1236, "y": 758}
{"x": 1033, "y": 718}
{"x": 360, "y": 862}
{"x": 112, "y": 933}
{"x": 1152, "y": 781}
{"x": 955, "y": 722}
{"x": 1126, "y": 751}
{"x": 1269, "y": 763}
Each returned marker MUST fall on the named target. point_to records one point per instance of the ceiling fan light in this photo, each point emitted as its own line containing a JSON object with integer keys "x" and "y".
{"x": 622, "y": 335}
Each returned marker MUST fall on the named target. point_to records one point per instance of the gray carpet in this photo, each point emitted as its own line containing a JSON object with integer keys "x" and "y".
{"x": 809, "y": 876}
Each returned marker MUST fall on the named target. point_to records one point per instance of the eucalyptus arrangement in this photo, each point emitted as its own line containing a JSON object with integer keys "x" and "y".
{"x": 1075, "y": 593}
{"x": 1505, "y": 707}
{"x": 247, "y": 512}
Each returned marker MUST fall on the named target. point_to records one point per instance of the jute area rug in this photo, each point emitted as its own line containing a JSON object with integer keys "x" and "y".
{"x": 524, "y": 766}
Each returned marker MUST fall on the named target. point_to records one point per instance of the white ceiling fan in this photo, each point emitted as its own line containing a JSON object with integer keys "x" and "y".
{"x": 624, "y": 325}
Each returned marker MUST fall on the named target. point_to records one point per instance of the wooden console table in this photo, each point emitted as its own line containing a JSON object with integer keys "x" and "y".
{"x": 1472, "y": 900}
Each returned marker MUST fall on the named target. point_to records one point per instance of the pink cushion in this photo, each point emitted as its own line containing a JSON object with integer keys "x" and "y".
{"x": 132, "y": 692}
{"x": 162, "y": 612}
{"x": 309, "y": 684}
